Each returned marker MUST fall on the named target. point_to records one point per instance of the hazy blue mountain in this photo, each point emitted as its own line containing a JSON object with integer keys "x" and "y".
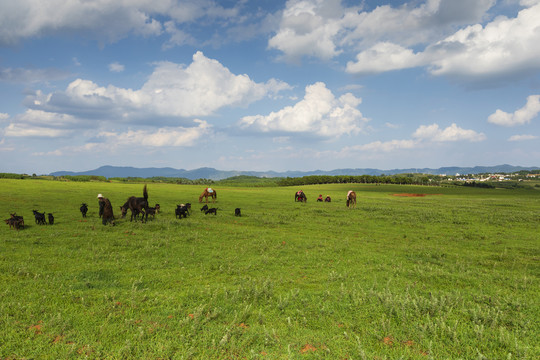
{"x": 214, "y": 174}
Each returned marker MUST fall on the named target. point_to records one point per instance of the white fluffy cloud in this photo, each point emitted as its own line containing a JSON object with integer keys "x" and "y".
{"x": 503, "y": 46}
{"x": 175, "y": 136}
{"x": 451, "y": 133}
{"x": 103, "y": 20}
{"x": 36, "y": 123}
{"x": 309, "y": 28}
{"x": 319, "y": 113}
{"x": 172, "y": 90}
{"x": 384, "y": 57}
{"x": 520, "y": 116}
{"x": 414, "y": 35}
{"x": 422, "y": 137}
{"x": 324, "y": 28}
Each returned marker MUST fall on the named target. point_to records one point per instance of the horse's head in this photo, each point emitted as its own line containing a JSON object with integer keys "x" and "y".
{"x": 123, "y": 210}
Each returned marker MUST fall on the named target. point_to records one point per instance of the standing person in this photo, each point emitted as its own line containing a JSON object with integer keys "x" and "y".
{"x": 107, "y": 215}
{"x": 101, "y": 204}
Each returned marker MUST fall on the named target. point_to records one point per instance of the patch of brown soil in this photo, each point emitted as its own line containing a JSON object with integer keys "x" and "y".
{"x": 308, "y": 348}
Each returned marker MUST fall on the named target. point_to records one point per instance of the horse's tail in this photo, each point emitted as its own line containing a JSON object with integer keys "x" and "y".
{"x": 215, "y": 194}
{"x": 145, "y": 193}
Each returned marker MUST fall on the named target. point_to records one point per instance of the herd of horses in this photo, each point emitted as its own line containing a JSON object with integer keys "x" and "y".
{"x": 139, "y": 206}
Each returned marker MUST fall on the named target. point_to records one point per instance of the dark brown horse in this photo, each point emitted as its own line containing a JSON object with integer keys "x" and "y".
{"x": 351, "y": 199}
{"x": 208, "y": 192}
{"x": 137, "y": 206}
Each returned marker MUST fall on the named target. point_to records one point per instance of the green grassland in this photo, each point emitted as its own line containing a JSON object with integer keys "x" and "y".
{"x": 450, "y": 275}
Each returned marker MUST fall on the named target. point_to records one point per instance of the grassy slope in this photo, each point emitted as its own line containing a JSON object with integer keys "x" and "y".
{"x": 450, "y": 275}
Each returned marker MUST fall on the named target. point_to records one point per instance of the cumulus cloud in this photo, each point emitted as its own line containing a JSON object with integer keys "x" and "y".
{"x": 105, "y": 21}
{"x": 170, "y": 136}
{"x": 519, "y": 117}
{"x": 36, "y": 123}
{"x": 308, "y": 28}
{"x": 503, "y": 46}
{"x": 108, "y": 20}
{"x": 384, "y": 57}
{"x": 424, "y": 136}
{"x": 27, "y": 130}
{"x": 416, "y": 34}
{"x": 172, "y": 90}
{"x": 319, "y": 113}
{"x": 325, "y": 28}
{"x": 451, "y": 133}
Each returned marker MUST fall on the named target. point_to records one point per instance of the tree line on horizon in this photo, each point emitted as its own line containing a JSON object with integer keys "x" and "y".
{"x": 246, "y": 180}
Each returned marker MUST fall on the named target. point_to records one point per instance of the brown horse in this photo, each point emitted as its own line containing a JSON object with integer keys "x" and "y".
{"x": 208, "y": 192}
{"x": 351, "y": 199}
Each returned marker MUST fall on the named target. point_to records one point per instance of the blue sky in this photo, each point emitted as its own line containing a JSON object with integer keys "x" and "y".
{"x": 268, "y": 85}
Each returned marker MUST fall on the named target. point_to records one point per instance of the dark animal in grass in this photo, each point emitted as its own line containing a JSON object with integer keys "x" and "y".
{"x": 15, "y": 222}
{"x": 40, "y": 217}
{"x": 11, "y": 223}
{"x": 300, "y": 196}
{"x": 84, "y": 209}
{"x": 204, "y": 208}
{"x": 237, "y": 212}
{"x": 152, "y": 211}
{"x": 137, "y": 205}
{"x": 182, "y": 210}
{"x": 211, "y": 211}
{"x": 51, "y": 218}
{"x": 208, "y": 192}
{"x": 351, "y": 199}
{"x": 108, "y": 216}
{"x": 18, "y": 219}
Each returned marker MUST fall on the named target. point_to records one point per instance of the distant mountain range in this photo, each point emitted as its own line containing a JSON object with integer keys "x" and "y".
{"x": 214, "y": 174}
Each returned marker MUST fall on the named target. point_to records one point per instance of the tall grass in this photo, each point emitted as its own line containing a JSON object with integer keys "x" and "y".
{"x": 450, "y": 275}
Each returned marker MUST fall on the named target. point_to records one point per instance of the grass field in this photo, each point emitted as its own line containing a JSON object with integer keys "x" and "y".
{"x": 453, "y": 274}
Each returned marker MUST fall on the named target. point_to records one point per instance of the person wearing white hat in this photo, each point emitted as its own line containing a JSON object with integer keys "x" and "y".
{"x": 101, "y": 204}
{"x": 105, "y": 210}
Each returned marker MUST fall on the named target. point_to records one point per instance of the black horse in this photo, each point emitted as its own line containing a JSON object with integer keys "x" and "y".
{"x": 300, "y": 196}
{"x": 137, "y": 206}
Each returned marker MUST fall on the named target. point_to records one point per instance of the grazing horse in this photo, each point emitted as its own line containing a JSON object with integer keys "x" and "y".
{"x": 351, "y": 199}
{"x": 137, "y": 206}
{"x": 208, "y": 192}
{"x": 300, "y": 196}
